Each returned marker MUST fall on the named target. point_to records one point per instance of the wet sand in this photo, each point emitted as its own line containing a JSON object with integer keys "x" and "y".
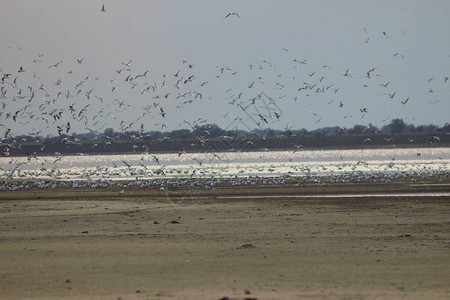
{"x": 197, "y": 244}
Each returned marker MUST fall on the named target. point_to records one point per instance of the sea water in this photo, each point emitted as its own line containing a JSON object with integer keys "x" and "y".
{"x": 225, "y": 164}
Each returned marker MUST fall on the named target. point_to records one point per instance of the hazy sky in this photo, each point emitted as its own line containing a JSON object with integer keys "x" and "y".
{"x": 311, "y": 59}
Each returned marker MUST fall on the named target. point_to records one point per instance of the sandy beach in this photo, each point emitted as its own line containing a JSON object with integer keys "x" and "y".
{"x": 198, "y": 244}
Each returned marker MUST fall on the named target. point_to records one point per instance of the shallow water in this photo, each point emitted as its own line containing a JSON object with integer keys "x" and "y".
{"x": 226, "y": 164}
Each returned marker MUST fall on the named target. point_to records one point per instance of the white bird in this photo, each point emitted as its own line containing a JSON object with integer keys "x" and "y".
{"x": 434, "y": 139}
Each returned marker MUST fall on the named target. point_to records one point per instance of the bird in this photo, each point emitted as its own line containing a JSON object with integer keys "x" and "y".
{"x": 434, "y": 139}
{"x": 398, "y": 54}
{"x": 155, "y": 159}
{"x": 347, "y": 74}
{"x": 232, "y": 14}
{"x": 302, "y": 62}
{"x": 103, "y": 8}
{"x": 128, "y": 63}
{"x": 14, "y": 46}
{"x": 297, "y": 148}
{"x": 392, "y": 95}
{"x": 55, "y": 65}
{"x": 405, "y": 101}
{"x": 263, "y": 118}
{"x": 385, "y": 84}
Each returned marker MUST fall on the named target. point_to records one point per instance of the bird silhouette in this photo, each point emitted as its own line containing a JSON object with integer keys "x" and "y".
{"x": 232, "y": 14}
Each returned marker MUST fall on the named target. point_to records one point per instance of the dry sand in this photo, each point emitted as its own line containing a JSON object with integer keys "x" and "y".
{"x": 193, "y": 244}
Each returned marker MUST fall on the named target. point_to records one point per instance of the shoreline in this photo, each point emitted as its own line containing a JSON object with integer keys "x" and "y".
{"x": 305, "y": 189}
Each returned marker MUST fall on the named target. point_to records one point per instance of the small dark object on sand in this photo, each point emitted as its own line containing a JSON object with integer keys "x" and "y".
{"x": 247, "y": 246}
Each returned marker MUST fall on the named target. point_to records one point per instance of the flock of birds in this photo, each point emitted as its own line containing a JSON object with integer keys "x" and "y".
{"x": 57, "y": 97}
{"x": 93, "y": 104}
{"x": 209, "y": 182}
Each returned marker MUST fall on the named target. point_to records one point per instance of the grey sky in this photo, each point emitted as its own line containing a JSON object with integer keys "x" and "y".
{"x": 332, "y": 36}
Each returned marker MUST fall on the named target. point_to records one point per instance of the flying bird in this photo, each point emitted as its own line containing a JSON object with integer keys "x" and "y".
{"x": 103, "y": 7}
{"x": 232, "y": 14}
{"x": 434, "y": 139}
{"x": 55, "y": 65}
{"x": 263, "y": 119}
{"x": 347, "y": 74}
{"x": 14, "y": 46}
{"x": 392, "y": 95}
{"x": 398, "y": 54}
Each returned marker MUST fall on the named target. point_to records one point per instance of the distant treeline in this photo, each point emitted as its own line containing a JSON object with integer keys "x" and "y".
{"x": 397, "y": 126}
{"x": 210, "y": 137}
